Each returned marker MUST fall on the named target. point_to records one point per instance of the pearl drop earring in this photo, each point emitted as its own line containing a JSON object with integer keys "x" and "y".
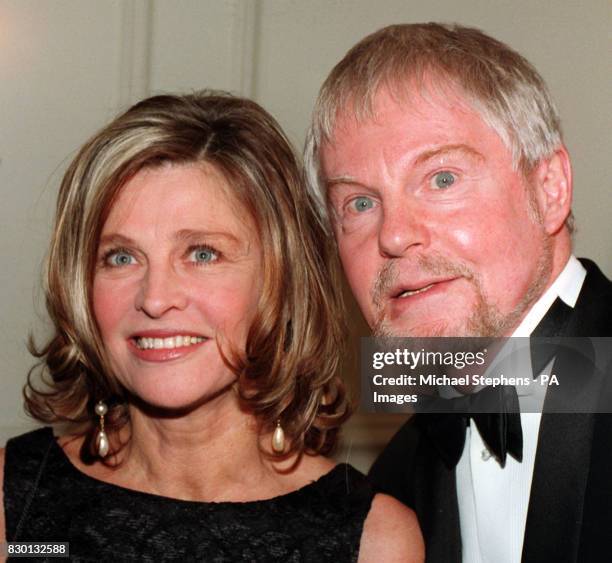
{"x": 278, "y": 439}
{"x": 101, "y": 439}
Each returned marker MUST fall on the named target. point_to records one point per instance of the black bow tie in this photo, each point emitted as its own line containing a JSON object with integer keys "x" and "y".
{"x": 444, "y": 422}
{"x": 494, "y": 410}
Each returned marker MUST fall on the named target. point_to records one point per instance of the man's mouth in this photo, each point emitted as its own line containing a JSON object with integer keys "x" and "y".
{"x": 408, "y": 292}
{"x": 166, "y": 343}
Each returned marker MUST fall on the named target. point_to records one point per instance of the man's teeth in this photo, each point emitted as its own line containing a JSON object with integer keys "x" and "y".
{"x": 410, "y": 292}
{"x": 170, "y": 342}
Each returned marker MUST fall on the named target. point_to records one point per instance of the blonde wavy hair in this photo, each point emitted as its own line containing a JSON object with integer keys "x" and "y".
{"x": 288, "y": 370}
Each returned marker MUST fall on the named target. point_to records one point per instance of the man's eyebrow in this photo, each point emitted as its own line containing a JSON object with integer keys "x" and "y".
{"x": 330, "y": 182}
{"x": 446, "y": 150}
{"x": 425, "y": 156}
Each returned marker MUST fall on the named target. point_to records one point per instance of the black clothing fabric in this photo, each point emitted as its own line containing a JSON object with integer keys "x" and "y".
{"x": 47, "y": 499}
{"x": 569, "y": 516}
{"x": 501, "y": 431}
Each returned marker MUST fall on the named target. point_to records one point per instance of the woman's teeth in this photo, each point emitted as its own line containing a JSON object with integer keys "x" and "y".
{"x": 170, "y": 342}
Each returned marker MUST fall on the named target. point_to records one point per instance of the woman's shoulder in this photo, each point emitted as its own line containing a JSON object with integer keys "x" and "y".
{"x": 384, "y": 528}
{"x": 27, "y": 449}
{"x": 391, "y": 533}
{"x": 30, "y": 442}
{"x": 24, "y": 454}
{"x": 19, "y": 454}
{"x": 343, "y": 485}
{"x": 24, "y": 460}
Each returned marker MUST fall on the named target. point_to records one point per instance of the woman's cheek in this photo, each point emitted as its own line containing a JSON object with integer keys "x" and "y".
{"x": 112, "y": 301}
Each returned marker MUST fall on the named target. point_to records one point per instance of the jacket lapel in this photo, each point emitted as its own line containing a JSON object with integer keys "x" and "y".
{"x": 561, "y": 471}
{"x": 435, "y": 494}
{"x": 554, "y": 516}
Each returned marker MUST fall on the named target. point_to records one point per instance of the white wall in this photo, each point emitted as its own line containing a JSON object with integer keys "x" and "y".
{"x": 67, "y": 66}
{"x": 568, "y": 41}
{"x": 59, "y": 78}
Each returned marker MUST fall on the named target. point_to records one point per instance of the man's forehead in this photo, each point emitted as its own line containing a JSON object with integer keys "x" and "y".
{"x": 444, "y": 118}
{"x": 410, "y": 99}
{"x": 387, "y": 104}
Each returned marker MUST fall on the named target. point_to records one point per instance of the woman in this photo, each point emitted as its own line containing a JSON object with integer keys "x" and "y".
{"x": 196, "y": 341}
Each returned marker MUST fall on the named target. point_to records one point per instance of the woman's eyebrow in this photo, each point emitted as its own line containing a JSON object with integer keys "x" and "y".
{"x": 116, "y": 238}
{"x": 184, "y": 235}
{"x": 196, "y": 235}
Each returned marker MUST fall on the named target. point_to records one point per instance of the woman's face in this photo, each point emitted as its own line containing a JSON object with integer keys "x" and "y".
{"x": 178, "y": 265}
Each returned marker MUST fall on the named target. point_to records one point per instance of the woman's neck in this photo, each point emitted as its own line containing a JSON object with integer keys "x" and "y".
{"x": 210, "y": 454}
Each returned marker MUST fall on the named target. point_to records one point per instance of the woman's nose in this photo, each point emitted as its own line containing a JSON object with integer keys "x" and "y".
{"x": 161, "y": 291}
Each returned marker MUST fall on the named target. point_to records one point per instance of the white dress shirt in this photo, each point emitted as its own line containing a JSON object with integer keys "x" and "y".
{"x": 493, "y": 500}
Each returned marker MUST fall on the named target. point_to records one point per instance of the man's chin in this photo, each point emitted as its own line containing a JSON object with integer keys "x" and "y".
{"x": 423, "y": 329}
{"x": 476, "y": 326}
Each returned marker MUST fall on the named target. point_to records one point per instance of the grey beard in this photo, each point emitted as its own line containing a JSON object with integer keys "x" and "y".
{"x": 485, "y": 320}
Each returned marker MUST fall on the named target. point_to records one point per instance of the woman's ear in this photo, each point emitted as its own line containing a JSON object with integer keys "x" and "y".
{"x": 552, "y": 181}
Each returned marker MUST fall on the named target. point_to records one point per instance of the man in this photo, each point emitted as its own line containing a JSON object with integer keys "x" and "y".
{"x": 436, "y": 153}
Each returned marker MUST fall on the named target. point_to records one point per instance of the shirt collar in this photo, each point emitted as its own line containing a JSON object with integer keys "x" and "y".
{"x": 566, "y": 286}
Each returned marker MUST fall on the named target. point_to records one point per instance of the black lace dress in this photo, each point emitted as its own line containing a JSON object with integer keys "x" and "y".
{"x": 47, "y": 499}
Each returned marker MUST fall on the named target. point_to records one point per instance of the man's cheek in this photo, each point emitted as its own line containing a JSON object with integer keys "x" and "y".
{"x": 463, "y": 237}
{"x": 360, "y": 274}
{"x": 473, "y": 243}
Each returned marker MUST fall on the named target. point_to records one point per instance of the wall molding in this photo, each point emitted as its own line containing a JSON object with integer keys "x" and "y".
{"x": 134, "y": 51}
{"x": 243, "y": 46}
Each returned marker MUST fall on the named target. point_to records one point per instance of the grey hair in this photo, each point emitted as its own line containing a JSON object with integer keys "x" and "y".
{"x": 501, "y": 85}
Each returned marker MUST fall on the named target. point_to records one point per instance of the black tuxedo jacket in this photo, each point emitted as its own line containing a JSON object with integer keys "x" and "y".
{"x": 569, "y": 518}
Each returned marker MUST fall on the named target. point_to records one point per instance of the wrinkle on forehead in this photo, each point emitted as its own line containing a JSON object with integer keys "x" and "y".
{"x": 431, "y": 86}
{"x": 210, "y": 170}
{"x": 216, "y": 194}
{"x": 434, "y": 88}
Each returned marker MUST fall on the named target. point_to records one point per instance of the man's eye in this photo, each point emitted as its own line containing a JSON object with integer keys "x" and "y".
{"x": 203, "y": 255}
{"x": 444, "y": 179}
{"x": 362, "y": 203}
{"x": 120, "y": 258}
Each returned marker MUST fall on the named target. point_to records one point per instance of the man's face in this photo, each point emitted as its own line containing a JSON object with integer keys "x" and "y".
{"x": 437, "y": 233}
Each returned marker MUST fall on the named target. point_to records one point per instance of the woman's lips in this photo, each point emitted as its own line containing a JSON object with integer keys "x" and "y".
{"x": 163, "y": 347}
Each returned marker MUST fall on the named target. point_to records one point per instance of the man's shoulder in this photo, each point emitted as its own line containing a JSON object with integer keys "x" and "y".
{"x": 406, "y": 440}
{"x": 392, "y": 472}
{"x": 596, "y": 281}
{"x": 593, "y": 310}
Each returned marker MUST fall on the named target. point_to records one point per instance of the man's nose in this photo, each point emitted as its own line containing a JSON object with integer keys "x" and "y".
{"x": 403, "y": 229}
{"x": 161, "y": 291}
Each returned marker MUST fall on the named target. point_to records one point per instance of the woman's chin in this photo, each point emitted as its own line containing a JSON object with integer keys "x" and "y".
{"x": 174, "y": 404}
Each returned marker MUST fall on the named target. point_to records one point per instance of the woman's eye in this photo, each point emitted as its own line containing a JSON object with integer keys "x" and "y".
{"x": 444, "y": 179}
{"x": 362, "y": 203}
{"x": 120, "y": 259}
{"x": 203, "y": 255}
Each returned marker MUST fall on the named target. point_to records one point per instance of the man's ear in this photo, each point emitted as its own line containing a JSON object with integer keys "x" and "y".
{"x": 552, "y": 180}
